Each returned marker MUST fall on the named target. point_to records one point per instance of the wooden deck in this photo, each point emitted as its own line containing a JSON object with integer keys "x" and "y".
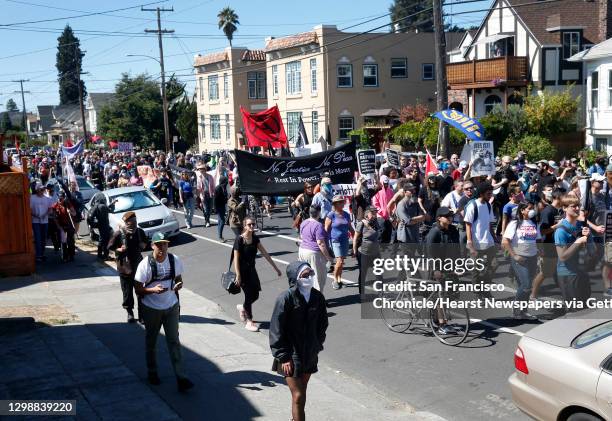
{"x": 488, "y": 73}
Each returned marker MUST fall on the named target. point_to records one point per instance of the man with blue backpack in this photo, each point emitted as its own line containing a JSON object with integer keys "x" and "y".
{"x": 478, "y": 217}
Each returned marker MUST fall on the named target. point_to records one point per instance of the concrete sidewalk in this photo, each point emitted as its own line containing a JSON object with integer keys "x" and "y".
{"x": 82, "y": 348}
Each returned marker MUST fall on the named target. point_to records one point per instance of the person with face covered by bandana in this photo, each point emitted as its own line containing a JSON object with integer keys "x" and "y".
{"x": 297, "y": 333}
{"x": 323, "y": 199}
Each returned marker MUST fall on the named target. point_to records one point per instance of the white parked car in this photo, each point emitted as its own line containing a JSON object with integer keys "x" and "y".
{"x": 564, "y": 369}
{"x": 152, "y": 215}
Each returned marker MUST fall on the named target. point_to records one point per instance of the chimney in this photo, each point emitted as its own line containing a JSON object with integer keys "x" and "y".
{"x": 605, "y": 20}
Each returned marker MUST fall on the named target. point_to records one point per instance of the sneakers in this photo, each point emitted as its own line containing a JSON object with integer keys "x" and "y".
{"x": 241, "y": 313}
{"x": 445, "y": 330}
{"x": 207, "y": 224}
{"x": 130, "y": 317}
{"x": 153, "y": 379}
{"x": 524, "y": 315}
{"x": 336, "y": 285}
{"x": 183, "y": 384}
{"x": 608, "y": 292}
{"x": 251, "y": 327}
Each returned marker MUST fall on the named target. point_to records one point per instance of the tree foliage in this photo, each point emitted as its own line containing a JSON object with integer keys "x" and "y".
{"x": 228, "y": 22}
{"x": 5, "y": 123}
{"x": 135, "y": 114}
{"x": 11, "y": 105}
{"x": 418, "y": 134}
{"x": 366, "y": 140}
{"x": 418, "y": 112}
{"x": 537, "y": 147}
{"x": 187, "y": 121}
{"x": 69, "y": 59}
{"x": 419, "y": 18}
{"x": 551, "y": 113}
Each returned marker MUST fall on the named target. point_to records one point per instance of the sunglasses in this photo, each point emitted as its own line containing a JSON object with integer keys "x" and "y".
{"x": 250, "y": 225}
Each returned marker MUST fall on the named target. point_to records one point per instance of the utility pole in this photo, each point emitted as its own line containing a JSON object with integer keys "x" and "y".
{"x": 159, "y": 31}
{"x": 79, "y": 73}
{"x": 23, "y": 109}
{"x": 441, "y": 84}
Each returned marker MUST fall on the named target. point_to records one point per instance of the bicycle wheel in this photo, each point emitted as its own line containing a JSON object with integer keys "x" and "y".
{"x": 397, "y": 319}
{"x": 457, "y": 326}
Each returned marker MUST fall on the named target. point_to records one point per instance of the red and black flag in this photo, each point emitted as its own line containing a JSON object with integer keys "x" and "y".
{"x": 264, "y": 128}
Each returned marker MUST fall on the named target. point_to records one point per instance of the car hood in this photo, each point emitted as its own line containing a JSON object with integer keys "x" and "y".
{"x": 562, "y": 331}
{"x": 144, "y": 215}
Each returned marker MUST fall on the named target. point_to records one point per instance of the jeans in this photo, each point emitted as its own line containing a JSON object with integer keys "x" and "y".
{"x": 220, "y": 222}
{"x": 366, "y": 266}
{"x": 40, "y": 238}
{"x": 525, "y": 272}
{"x": 169, "y": 319}
{"x": 207, "y": 208}
{"x": 188, "y": 206}
{"x": 237, "y": 231}
{"x": 105, "y": 234}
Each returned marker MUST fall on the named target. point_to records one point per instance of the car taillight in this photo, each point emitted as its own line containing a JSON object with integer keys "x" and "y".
{"x": 519, "y": 361}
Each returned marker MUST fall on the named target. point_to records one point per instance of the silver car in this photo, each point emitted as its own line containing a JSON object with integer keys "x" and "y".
{"x": 564, "y": 369}
{"x": 152, "y": 215}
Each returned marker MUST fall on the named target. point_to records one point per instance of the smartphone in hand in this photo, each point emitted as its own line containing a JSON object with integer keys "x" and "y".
{"x": 177, "y": 286}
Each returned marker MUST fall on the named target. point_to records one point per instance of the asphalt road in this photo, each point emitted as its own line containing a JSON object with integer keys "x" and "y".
{"x": 468, "y": 382}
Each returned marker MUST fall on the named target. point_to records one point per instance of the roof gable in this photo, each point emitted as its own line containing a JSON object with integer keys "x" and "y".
{"x": 297, "y": 40}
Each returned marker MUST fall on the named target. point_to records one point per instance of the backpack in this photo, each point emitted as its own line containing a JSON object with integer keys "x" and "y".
{"x": 473, "y": 201}
{"x": 92, "y": 221}
{"x": 153, "y": 266}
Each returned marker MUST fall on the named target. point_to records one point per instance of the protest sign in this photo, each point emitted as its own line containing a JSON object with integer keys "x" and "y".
{"x": 483, "y": 159}
{"x": 284, "y": 176}
{"x": 125, "y": 147}
{"x": 393, "y": 158}
{"x": 366, "y": 159}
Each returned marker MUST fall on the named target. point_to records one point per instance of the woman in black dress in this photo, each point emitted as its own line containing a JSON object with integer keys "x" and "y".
{"x": 297, "y": 333}
{"x": 246, "y": 246}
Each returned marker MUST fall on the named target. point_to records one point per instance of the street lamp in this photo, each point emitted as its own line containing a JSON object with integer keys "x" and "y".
{"x": 164, "y": 99}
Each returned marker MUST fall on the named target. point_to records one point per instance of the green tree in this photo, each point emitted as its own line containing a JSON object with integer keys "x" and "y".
{"x": 11, "y": 105}
{"x": 69, "y": 59}
{"x": 5, "y": 123}
{"x": 187, "y": 121}
{"x": 228, "y": 22}
{"x": 537, "y": 147}
{"x": 551, "y": 113}
{"x": 419, "y": 18}
{"x": 418, "y": 134}
{"x": 135, "y": 114}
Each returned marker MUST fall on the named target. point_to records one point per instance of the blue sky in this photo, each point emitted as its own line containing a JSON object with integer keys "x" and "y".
{"x": 28, "y": 50}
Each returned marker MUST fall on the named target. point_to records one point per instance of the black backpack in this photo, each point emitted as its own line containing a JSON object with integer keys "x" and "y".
{"x": 473, "y": 201}
{"x": 153, "y": 267}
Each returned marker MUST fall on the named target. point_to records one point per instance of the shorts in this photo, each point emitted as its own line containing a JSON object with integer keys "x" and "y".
{"x": 298, "y": 368}
{"x": 548, "y": 266}
{"x": 340, "y": 248}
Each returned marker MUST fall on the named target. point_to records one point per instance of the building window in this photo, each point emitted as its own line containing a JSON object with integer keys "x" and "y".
{"x": 203, "y": 126}
{"x": 225, "y": 86}
{"x": 428, "y": 71}
{"x": 345, "y": 125}
{"x": 370, "y": 75}
{"x": 215, "y": 127}
{"x": 571, "y": 44}
{"x": 601, "y": 144}
{"x": 457, "y": 106}
{"x": 201, "y": 89}
{"x": 293, "y": 124}
{"x": 227, "y": 127}
{"x": 257, "y": 85}
{"x": 610, "y": 88}
{"x": 594, "y": 89}
{"x": 275, "y": 79}
{"x": 213, "y": 88}
{"x": 399, "y": 67}
{"x": 315, "y": 126}
{"x": 313, "y": 75}
{"x": 345, "y": 75}
{"x": 293, "y": 73}
{"x": 490, "y": 102}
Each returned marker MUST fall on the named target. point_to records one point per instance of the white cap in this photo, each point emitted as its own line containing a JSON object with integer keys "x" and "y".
{"x": 597, "y": 177}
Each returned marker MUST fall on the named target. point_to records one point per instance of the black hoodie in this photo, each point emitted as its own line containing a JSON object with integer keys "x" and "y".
{"x": 297, "y": 328}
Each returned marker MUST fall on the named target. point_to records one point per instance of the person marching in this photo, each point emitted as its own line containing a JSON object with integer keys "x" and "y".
{"x": 297, "y": 333}
{"x": 338, "y": 225}
{"x": 128, "y": 243}
{"x": 186, "y": 198}
{"x": 237, "y": 209}
{"x": 158, "y": 280}
{"x": 64, "y": 221}
{"x": 245, "y": 250}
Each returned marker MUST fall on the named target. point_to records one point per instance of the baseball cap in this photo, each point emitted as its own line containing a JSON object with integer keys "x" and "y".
{"x": 38, "y": 186}
{"x": 384, "y": 179}
{"x": 337, "y": 198}
{"x": 553, "y": 164}
{"x": 444, "y": 211}
{"x": 159, "y": 237}
{"x": 128, "y": 215}
{"x": 597, "y": 177}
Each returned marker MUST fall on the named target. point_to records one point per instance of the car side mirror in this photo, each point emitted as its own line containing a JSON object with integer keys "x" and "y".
{"x": 164, "y": 201}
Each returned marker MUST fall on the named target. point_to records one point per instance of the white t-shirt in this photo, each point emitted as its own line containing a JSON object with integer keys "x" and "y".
{"x": 523, "y": 238}
{"x": 481, "y": 232}
{"x": 451, "y": 201}
{"x": 167, "y": 299}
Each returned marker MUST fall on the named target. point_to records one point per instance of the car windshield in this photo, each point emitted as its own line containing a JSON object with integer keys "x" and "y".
{"x": 135, "y": 200}
{"x": 84, "y": 184}
{"x": 593, "y": 335}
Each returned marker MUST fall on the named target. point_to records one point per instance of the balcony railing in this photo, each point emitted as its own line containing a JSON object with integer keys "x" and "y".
{"x": 492, "y": 72}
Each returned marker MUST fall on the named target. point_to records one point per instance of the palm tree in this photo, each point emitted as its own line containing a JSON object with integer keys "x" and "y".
{"x": 228, "y": 21}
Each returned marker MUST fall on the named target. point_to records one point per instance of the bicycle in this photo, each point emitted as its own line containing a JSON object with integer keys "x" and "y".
{"x": 254, "y": 211}
{"x": 405, "y": 313}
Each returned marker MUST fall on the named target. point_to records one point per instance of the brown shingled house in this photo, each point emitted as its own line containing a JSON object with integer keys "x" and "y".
{"x": 522, "y": 43}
